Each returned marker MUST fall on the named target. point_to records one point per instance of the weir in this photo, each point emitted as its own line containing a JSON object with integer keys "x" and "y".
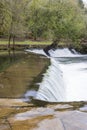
{"x": 65, "y": 79}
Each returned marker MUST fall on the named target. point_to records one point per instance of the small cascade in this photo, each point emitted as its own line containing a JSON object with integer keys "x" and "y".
{"x": 65, "y": 78}
{"x": 52, "y": 86}
{"x": 64, "y": 52}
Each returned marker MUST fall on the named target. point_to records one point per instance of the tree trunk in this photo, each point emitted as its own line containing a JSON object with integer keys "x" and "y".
{"x": 9, "y": 40}
{"x": 53, "y": 46}
{"x": 14, "y": 47}
{"x": 35, "y": 38}
{"x": 13, "y": 42}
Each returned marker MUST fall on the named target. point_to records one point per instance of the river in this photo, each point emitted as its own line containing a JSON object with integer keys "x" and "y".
{"x": 62, "y": 77}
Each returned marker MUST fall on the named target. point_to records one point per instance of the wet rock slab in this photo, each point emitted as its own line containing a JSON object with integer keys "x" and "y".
{"x": 84, "y": 108}
{"x": 62, "y": 107}
{"x": 18, "y": 115}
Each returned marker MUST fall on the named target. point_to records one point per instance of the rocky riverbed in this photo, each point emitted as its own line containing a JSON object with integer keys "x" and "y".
{"x": 16, "y": 114}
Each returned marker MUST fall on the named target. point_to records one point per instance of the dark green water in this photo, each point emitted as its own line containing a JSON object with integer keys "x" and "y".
{"x": 20, "y": 72}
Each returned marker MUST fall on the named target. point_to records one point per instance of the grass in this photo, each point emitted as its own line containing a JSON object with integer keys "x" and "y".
{"x": 4, "y": 42}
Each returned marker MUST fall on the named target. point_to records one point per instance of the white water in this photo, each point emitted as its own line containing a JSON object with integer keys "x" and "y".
{"x": 66, "y": 77}
{"x": 75, "y": 76}
{"x": 52, "y": 86}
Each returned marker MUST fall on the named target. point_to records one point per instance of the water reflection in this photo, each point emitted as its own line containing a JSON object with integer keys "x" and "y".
{"x": 7, "y": 58}
{"x": 17, "y": 74}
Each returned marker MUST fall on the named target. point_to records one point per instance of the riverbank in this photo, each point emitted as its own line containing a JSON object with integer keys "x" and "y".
{"x": 22, "y": 45}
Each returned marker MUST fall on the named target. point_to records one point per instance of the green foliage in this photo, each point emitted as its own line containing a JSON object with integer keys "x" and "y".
{"x": 67, "y": 21}
{"x": 12, "y": 17}
{"x": 46, "y": 19}
{"x": 38, "y": 19}
{"x": 56, "y": 19}
{"x": 17, "y": 17}
{"x": 4, "y": 17}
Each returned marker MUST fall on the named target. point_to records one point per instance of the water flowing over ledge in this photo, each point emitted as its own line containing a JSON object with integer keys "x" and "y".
{"x": 52, "y": 86}
{"x": 65, "y": 78}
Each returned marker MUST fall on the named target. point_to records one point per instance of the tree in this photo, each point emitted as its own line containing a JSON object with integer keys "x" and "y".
{"x": 16, "y": 20}
{"x": 57, "y": 20}
{"x": 81, "y": 4}
{"x": 4, "y": 18}
{"x": 67, "y": 21}
{"x": 61, "y": 19}
{"x": 38, "y": 18}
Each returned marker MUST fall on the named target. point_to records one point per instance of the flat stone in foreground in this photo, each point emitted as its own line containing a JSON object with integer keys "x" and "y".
{"x": 18, "y": 115}
{"x": 73, "y": 120}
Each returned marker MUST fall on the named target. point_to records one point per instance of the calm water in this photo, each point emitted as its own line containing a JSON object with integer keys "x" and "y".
{"x": 20, "y": 73}
{"x": 61, "y": 77}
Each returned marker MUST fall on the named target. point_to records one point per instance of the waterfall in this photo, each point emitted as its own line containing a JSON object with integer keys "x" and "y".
{"x": 65, "y": 78}
{"x": 52, "y": 86}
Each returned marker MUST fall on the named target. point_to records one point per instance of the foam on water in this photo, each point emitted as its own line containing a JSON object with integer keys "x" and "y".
{"x": 64, "y": 52}
{"x": 64, "y": 81}
{"x": 75, "y": 77}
